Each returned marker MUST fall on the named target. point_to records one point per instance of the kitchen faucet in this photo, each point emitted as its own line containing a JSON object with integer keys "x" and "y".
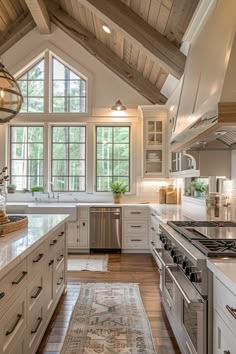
{"x": 53, "y": 194}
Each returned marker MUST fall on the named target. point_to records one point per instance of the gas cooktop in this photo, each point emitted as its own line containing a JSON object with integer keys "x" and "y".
{"x": 213, "y": 238}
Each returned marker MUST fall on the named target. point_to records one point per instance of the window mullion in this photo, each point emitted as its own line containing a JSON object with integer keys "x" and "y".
{"x": 47, "y": 82}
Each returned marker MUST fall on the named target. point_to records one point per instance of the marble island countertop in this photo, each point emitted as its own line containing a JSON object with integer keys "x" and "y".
{"x": 17, "y": 245}
{"x": 225, "y": 270}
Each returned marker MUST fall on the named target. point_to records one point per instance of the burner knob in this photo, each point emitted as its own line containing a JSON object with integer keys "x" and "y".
{"x": 187, "y": 270}
{"x": 196, "y": 277}
{"x": 167, "y": 246}
{"x": 163, "y": 238}
{"x": 173, "y": 252}
{"x": 178, "y": 258}
{"x": 185, "y": 264}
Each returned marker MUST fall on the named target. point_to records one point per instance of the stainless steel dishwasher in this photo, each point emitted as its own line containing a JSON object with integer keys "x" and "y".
{"x": 105, "y": 228}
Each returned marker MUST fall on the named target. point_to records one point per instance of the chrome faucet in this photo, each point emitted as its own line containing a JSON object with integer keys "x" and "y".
{"x": 53, "y": 194}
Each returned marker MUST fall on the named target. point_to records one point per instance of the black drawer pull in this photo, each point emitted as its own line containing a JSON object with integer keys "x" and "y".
{"x": 60, "y": 258}
{"x": 14, "y": 326}
{"x": 231, "y": 310}
{"x": 51, "y": 262}
{"x": 60, "y": 281}
{"x": 226, "y": 352}
{"x": 61, "y": 234}
{"x": 40, "y": 256}
{"x": 37, "y": 293}
{"x": 152, "y": 228}
{"x": 53, "y": 242}
{"x": 152, "y": 214}
{"x": 136, "y": 240}
{"x": 136, "y": 226}
{"x": 37, "y": 326}
{"x": 135, "y": 212}
{"x": 2, "y": 295}
{"x": 15, "y": 282}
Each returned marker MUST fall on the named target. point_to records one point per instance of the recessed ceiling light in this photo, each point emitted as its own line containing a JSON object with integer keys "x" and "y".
{"x": 106, "y": 29}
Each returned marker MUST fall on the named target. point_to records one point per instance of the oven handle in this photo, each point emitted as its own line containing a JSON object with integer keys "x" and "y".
{"x": 156, "y": 250}
{"x": 183, "y": 293}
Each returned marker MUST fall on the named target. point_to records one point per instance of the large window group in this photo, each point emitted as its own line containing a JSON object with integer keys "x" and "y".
{"x": 64, "y": 149}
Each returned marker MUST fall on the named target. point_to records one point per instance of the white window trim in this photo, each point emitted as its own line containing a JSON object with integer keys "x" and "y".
{"x": 90, "y": 152}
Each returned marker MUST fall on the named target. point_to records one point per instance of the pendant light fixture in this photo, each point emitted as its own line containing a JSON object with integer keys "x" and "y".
{"x": 10, "y": 95}
{"x": 118, "y": 106}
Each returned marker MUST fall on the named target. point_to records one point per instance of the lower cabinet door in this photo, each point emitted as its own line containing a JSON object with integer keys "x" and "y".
{"x": 35, "y": 327}
{"x": 224, "y": 339}
{"x": 12, "y": 324}
{"x": 59, "y": 280}
{"x": 83, "y": 234}
{"x": 49, "y": 285}
{"x": 20, "y": 345}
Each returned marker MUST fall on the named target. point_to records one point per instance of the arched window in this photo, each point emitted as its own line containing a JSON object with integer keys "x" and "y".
{"x": 61, "y": 90}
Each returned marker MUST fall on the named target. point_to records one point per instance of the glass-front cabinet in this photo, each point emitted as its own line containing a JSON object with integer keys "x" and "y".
{"x": 154, "y": 141}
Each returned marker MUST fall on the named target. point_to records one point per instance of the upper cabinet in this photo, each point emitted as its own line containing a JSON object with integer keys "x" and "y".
{"x": 154, "y": 141}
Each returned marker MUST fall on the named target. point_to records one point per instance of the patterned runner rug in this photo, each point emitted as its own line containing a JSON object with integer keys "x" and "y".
{"x": 109, "y": 319}
{"x": 88, "y": 262}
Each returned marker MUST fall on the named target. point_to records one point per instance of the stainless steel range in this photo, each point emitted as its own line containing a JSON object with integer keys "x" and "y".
{"x": 186, "y": 283}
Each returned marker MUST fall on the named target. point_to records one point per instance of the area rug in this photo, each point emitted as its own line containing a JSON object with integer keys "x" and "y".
{"x": 87, "y": 262}
{"x": 109, "y": 319}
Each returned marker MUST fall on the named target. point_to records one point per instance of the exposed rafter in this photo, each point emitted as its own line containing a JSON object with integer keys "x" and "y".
{"x": 15, "y": 32}
{"x": 157, "y": 47}
{"x": 104, "y": 54}
{"x": 40, "y": 15}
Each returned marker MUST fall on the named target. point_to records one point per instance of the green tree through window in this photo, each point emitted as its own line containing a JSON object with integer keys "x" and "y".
{"x": 113, "y": 156}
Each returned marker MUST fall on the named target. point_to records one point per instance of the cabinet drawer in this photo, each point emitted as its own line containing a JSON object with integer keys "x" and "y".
{"x": 135, "y": 227}
{"x": 36, "y": 260}
{"x": 135, "y": 242}
{"x": 10, "y": 284}
{"x": 13, "y": 323}
{"x": 137, "y": 212}
{"x": 224, "y": 339}
{"x": 20, "y": 345}
{"x": 59, "y": 279}
{"x": 225, "y": 302}
{"x": 35, "y": 291}
{"x": 60, "y": 256}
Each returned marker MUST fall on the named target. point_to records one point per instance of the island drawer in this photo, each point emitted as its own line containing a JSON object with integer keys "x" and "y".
{"x": 36, "y": 323}
{"x": 35, "y": 291}
{"x": 225, "y": 303}
{"x": 36, "y": 260}
{"x": 135, "y": 227}
{"x": 13, "y": 323}
{"x": 135, "y": 212}
{"x": 10, "y": 284}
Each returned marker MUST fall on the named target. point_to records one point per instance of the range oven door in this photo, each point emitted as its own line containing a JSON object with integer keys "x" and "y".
{"x": 191, "y": 313}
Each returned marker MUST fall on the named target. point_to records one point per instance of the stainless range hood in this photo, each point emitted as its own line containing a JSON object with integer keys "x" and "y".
{"x": 216, "y": 129}
{"x": 206, "y": 114}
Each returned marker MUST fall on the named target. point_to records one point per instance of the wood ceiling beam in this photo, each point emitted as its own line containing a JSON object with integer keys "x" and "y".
{"x": 15, "y": 32}
{"x": 105, "y": 55}
{"x": 40, "y": 15}
{"x": 154, "y": 44}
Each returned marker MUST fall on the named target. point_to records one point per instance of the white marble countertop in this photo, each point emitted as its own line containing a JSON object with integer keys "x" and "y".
{"x": 225, "y": 270}
{"x": 15, "y": 246}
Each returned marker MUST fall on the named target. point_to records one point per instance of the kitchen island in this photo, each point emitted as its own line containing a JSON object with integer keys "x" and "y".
{"x": 32, "y": 280}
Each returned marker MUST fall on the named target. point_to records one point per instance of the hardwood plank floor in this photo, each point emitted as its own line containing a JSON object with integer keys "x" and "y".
{"x": 135, "y": 268}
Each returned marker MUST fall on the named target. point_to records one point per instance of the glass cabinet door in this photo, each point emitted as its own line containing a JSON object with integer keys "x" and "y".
{"x": 153, "y": 161}
{"x": 154, "y": 132}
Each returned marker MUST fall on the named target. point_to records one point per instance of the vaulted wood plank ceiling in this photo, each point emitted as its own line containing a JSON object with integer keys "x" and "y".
{"x": 142, "y": 49}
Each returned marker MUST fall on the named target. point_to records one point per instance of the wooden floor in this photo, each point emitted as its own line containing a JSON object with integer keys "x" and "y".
{"x": 136, "y": 268}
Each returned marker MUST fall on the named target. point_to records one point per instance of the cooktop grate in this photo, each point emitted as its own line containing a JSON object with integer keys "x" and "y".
{"x": 216, "y": 248}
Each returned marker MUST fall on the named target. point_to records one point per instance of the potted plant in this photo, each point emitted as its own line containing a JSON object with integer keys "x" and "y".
{"x": 36, "y": 189}
{"x": 118, "y": 188}
{"x": 199, "y": 188}
{"x": 11, "y": 188}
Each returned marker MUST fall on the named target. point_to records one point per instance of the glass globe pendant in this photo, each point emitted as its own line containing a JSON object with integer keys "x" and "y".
{"x": 10, "y": 96}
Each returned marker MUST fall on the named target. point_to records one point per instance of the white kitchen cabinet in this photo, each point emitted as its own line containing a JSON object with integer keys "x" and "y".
{"x": 135, "y": 229}
{"x": 154, "y": 141}
{"x": 224, "y": 319}
{"x": 30, "y": 293}
{"x": 78, "y": 233}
